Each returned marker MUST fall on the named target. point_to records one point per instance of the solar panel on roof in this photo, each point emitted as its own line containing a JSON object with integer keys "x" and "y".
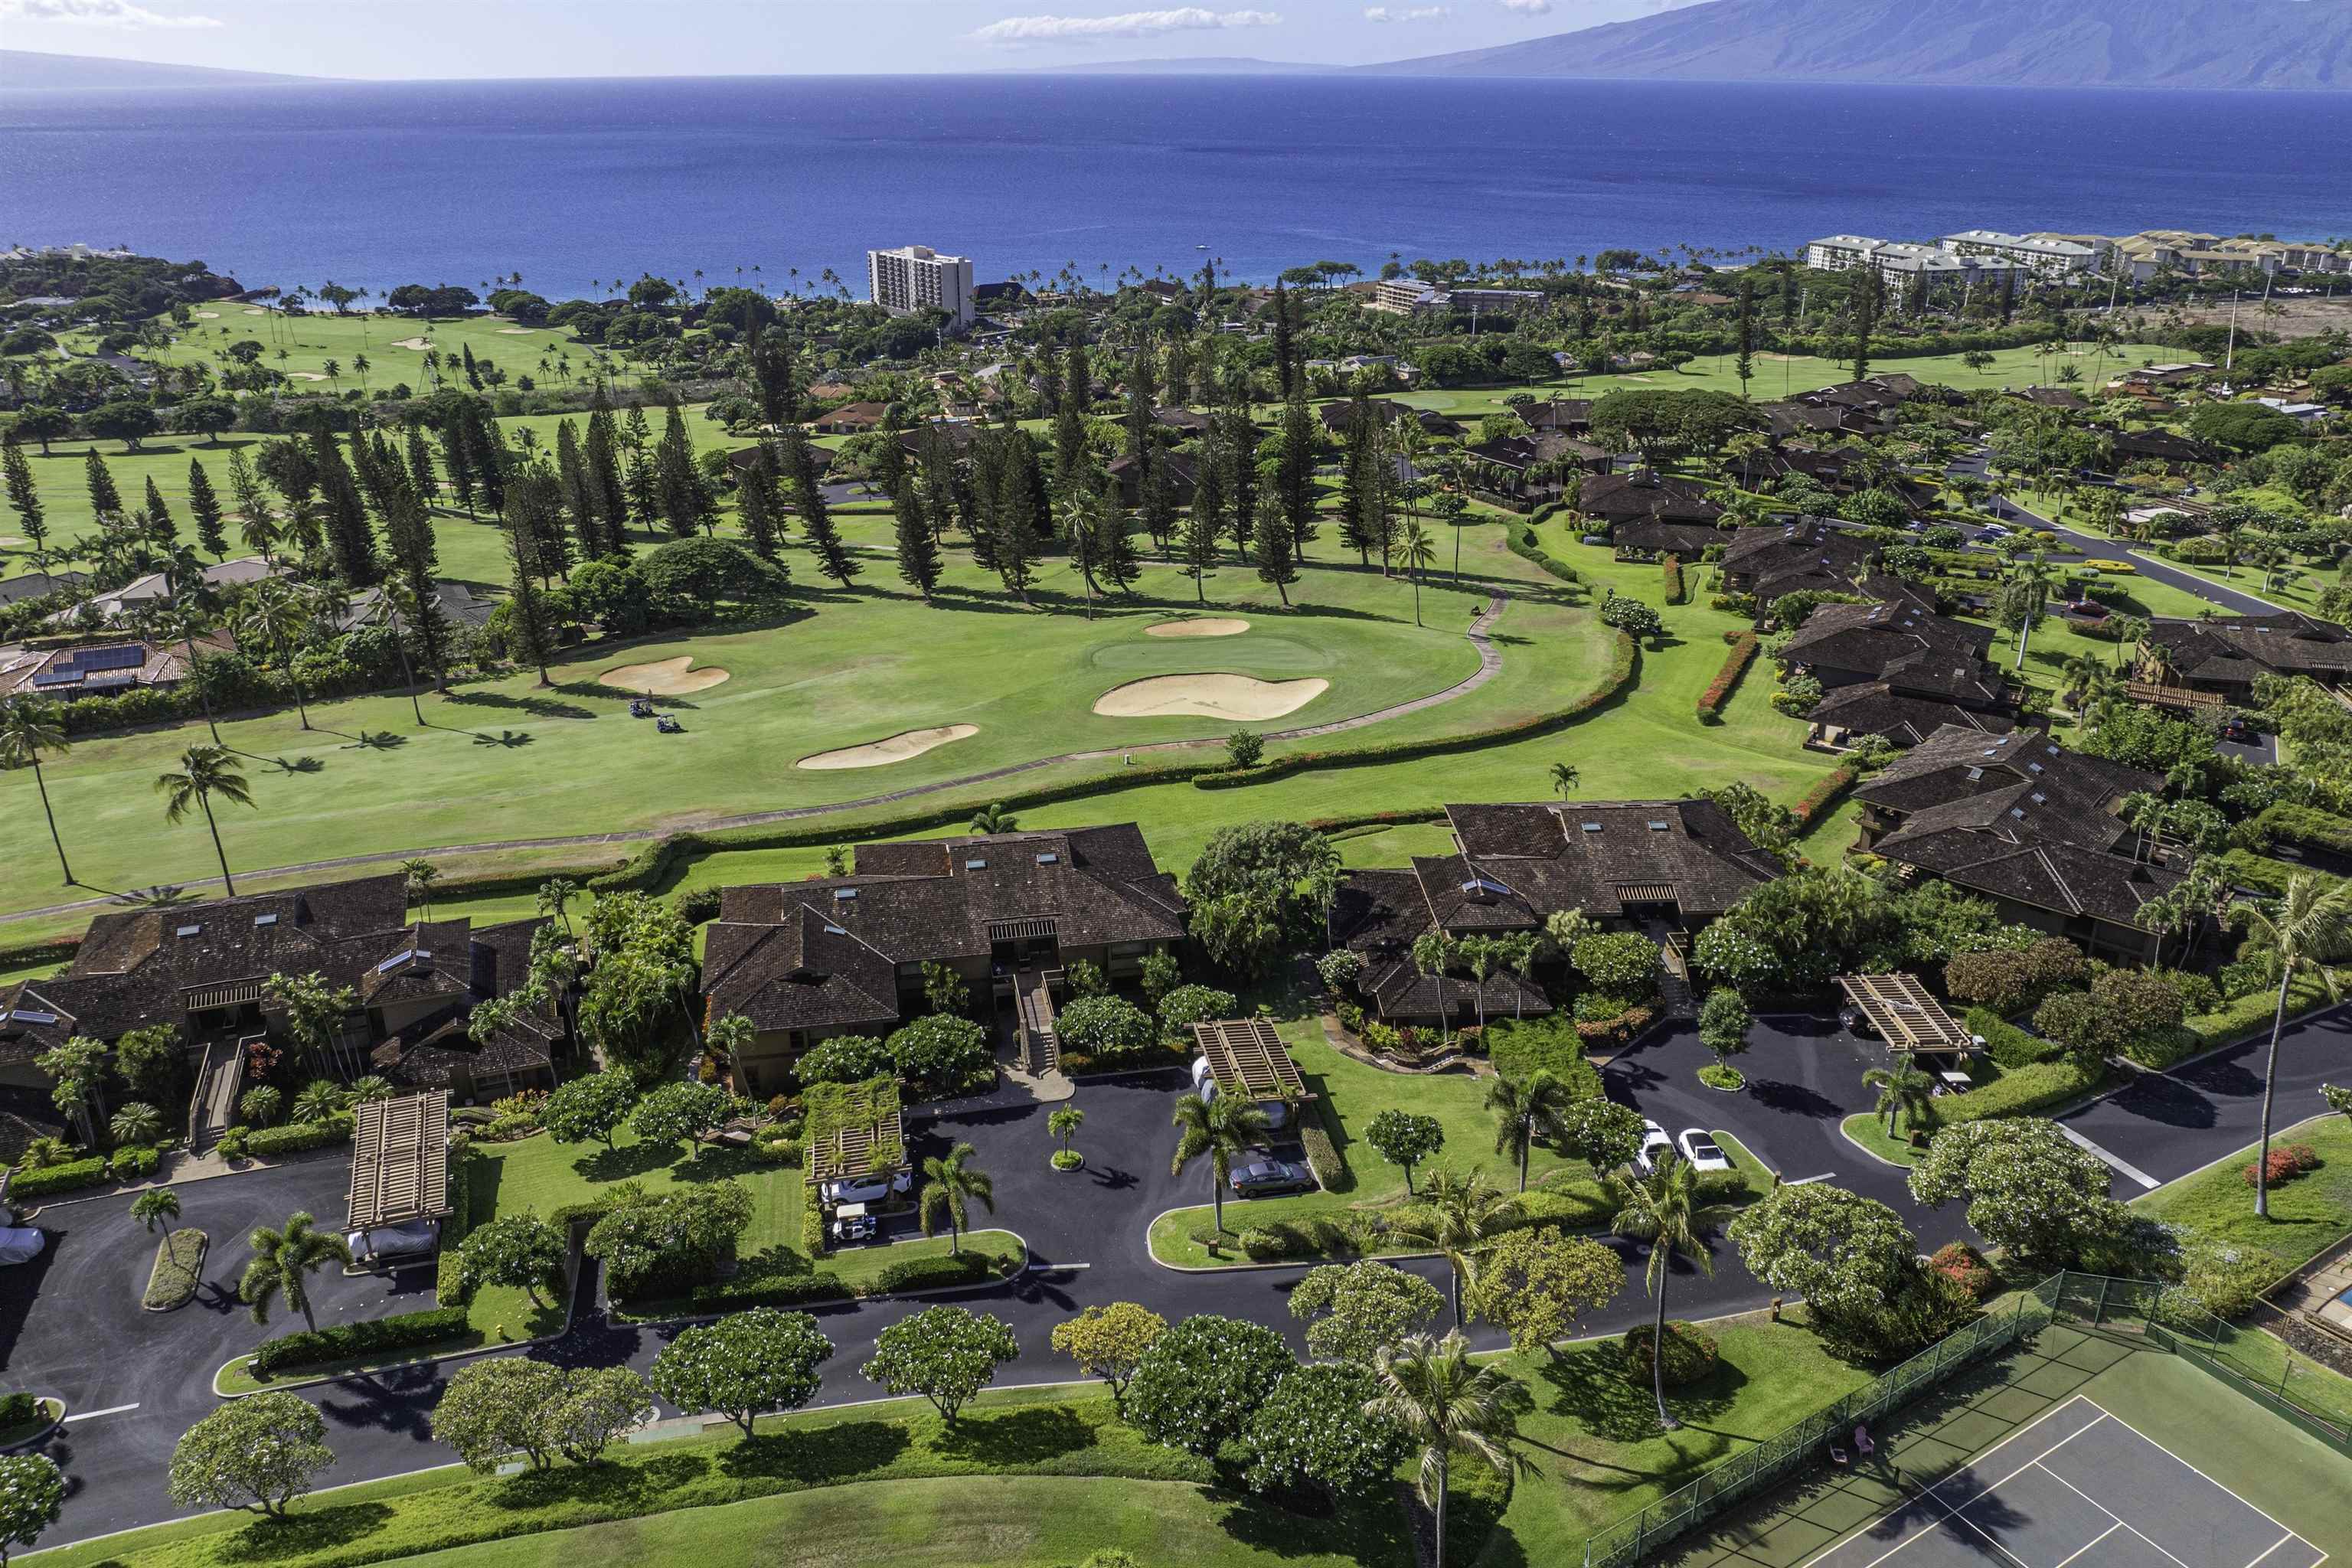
{"x": 57, "y": 677}
{"x": 128, "y": 656}
{"x": 23, "y": 1016}
{"x": 396, "y": 960}
{"x": 112, "y": 681}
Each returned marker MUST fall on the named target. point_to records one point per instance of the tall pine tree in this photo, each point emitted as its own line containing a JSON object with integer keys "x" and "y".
{"x": 1275, "y": 563}
{"x": 1294, "y": 488}
{"x": 833, "y": 557}
{"x": 204, "y": 508}
{"x": 420, "y": 464}
{"x": 1070, "y": 416}
{"x": 1744, "y": 364}
{"x": 105, "y": 500}
{"x": 533, "y": 499}
{"x": 760, "y": 504}
{"x": 602, "y": 451}
{"x": 351, "y": 542}
{"x": 1116, "y": 555}
{"x": 773, "y": 373}
{"x": 25, "y": 496}
{"x": 408, "y": 535}
{"x": 579, "y": 498}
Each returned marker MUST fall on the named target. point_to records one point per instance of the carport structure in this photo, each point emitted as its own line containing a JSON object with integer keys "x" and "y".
{"x": 1898, "y": 1008}
{"x": 1248, "y": 1059}
{"x": 400, "y": 1162}
{"x": 854, "y": 1131}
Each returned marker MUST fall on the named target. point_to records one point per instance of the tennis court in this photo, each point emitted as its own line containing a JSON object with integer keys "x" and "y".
{"x": 2076, "y": 1489}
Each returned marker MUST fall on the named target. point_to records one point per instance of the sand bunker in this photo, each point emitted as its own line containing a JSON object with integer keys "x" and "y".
{"x": 419, "y": 344}
{"x": 1211, "y": 627}
{"x": 896, "y": 749}
{"x": 207, "y": 315}
{"x": 304, "y": 376}
{"x": 666, "y": 678}
{"x": 514, "y": 332}
{"x": 1218, "y": 696}
{"x": 257, "y": 312}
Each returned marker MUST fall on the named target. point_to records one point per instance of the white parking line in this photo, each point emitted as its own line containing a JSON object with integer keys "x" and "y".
{"x": 1808, "y": 1180}
{"x": 2133, "y": 1171}
{"x": 93, "y": 1414}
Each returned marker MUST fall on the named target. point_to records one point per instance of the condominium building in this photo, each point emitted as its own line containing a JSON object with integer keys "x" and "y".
{"x": 1839, "y": 251}
{"x": 916, "y": 278}
{"x": 1412, "y": 297}
{"x": 2044, "y": 256}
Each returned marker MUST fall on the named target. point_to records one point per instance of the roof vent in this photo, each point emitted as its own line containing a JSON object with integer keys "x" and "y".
{"x": 1591, "y": 827}
{"x": 265, "y": 920}
{"x": 975, "y": 864}
{"x": 842, "y": 895}
{"x": 190, "y": 930}
{"x": 1049, "y": 858}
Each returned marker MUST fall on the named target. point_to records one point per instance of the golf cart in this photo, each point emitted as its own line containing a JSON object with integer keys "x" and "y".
{"x": 852, "y": 1222}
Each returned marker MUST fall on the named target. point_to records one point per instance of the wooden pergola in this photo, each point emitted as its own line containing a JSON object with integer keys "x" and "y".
{"x": 1248, "y": 1058}
{"x": 1899, "y": 1008}
{"x": 877, "y": 1148}
{"x": 400, "y": 1161}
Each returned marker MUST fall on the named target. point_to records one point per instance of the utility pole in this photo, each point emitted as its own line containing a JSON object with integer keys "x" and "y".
{"x": 2230, "y": 357}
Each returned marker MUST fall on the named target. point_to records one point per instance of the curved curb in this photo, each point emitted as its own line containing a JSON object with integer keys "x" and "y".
{"x": 1159, "y": 1262}
{"x": 1490, "y": 664}
{"x": 1866, "y": 1149}
{"x": 43, "y": 1434}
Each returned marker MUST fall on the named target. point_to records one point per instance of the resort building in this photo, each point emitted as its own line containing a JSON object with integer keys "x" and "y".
{"x": 2043, "y": 256}
{"x": 204, "y": 970}
{"x": 916, "y": 278}
{"x": 2210, "y": 662}
{"x": 1008, "y": 912}
{"x": 2022, "y": 821}
{"x": 1666, "y": 868}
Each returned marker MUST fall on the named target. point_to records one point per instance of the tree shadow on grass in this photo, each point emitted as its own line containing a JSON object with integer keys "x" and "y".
{"x": 627, "y": 1160}
{"x": 509, "y": 738}
{"x": 1374, "y": 1532}
{"x": 1590, "y": 1386}
{"x": 1016, "y": 1438}
{"x": 820, "y": 1458}
{"x": 280, "y": 1540}
{"x": 621, "y": 1488}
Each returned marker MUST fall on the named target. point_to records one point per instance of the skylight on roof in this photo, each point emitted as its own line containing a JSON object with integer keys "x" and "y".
{"x": 1974, "y": 773}
{"x": 2034, "y": 767}
{"x": 975, "y": 864}
{"x": 190, "y": 930}
{"x": 1591, "y": 827}
{"x": 837, "y": 930}
{"x": 2018, "y": 812}
{"x": 1049, "y": 858}
{"x": 23, "y": 1015}
{"x": 2052, "y": 750}
{"x": 1657, "y": 827}
{"x": 265, "y": 920}
{"x": 397, "y": 959}
{"x": 841, "y": 895}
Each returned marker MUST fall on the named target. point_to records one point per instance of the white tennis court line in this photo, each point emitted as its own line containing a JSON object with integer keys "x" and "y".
{"x": 2275, "y": 1545}
{"x": 2102, "y": 1507}
{"x": 2235, "y": 1493}
{"x": 1929, "y": 1494}
{"x": 2095, "y": 1541}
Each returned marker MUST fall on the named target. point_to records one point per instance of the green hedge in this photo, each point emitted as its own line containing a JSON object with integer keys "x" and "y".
{"x": 449, "y": 1284}
{"x": 1727, "y": 679}
{"x": 937, "y": 1273}
{"x": 2305, "y": 825}
{"x": 1676, "y": 592}
{"x": 377, "y": 1337}
{"x": 2007, "y": 1045}
{"x": 2018, "y": 1090}
{"x": 1818, "y": 800}
{"x": 1522, "y": 542}
{"x": 68, "y": 1177}
{"x": 294, "y": 1138}
{"x": 60, "y": 950}
{"x": 1323, "y": 1155}
{"x": 768, "y": 1290}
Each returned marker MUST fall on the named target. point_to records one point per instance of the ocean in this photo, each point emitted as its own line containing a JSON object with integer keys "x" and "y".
{"x": 571, "y": 183}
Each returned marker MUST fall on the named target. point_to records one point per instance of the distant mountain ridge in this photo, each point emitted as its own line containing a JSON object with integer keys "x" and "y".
{"x": 2219, "y": 44}
{"x": 24, "y": 70}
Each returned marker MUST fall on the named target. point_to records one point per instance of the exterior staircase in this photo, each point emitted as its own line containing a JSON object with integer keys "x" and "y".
{"x": 212, "y": 1110}
{"x": 1037, "y": 1052}
{"x": 1674, "y": 996}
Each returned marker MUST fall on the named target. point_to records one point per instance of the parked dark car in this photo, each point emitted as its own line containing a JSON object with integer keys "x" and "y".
{"x": 2240, "y": 730}
{"x": 1271, "y": 1178}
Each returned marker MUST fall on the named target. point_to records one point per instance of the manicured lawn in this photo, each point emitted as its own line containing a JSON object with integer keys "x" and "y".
{"x": 1594, "y": 1437}
{"x": 179, "y": 1260}
{"x": 2308, "y": 1215}
{"x": 236, "y": 1377}
{"x": 44, "y": 1412}
{"x": 1868, "y": 1129}
{"x": 1083, "y": 1479}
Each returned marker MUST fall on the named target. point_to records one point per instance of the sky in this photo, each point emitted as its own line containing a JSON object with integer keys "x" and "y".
{"x": 390, "y": 39}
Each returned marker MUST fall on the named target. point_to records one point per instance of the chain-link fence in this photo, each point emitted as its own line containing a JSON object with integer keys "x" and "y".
{"x": 2258, "y": 1365}
{"x": 1783, "y": 1455}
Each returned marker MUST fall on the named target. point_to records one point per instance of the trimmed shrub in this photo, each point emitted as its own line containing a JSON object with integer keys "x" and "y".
{"x": 1690, "y": 1354}
{"x": 2007, "y": 1045}
{"x": 936, "y": 1273}
{"x": 379, "y": 1336}
{"x": 450, "y": 1286}
{"x": 1727, "y": 679}
{"x": 1676, "y": 593}
{"x": 1313, "y": 1121}
{"x": 2284, "y": 1163}
{"x": 65, "y": 1178}
{"x": 697, "y": 905}
{"x": 1818, "y": 800}
{"x": 1967, "y": 1268}
{"x": 2024, "y": 1089}
{"x": 1520, "y": 1048}
{"x": 295, "y": 1138}
{"x": 134, "y": 1162}
{"x": 768, "y": 1290}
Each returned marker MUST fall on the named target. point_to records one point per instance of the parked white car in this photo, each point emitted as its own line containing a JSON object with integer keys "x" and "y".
{"x": 1204, "y": 1084}
{"x": 1655, "y": 1143}
{"x": 868, "y": 1189}
{"x": 1699, "y": 1147}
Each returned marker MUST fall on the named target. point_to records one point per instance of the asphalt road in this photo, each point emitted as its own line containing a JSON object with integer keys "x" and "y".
{"x": 70, "y": 1325}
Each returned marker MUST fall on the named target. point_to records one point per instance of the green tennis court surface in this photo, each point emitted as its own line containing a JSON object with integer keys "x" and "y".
{"x": 2078, "y": 1448}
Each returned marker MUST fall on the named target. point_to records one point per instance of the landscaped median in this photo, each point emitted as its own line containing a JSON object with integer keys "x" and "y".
{"x": 179, "y": 1269}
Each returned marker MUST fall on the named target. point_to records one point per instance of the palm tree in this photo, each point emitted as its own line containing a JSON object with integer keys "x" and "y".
{"x": 205, "y": 772}
{"x": 1419, "y": 554}
{"x": 2310, "y": 929}
{"x": 156, "y": 1204}
{"x": 421, "y": 874}
{"x": 1478, "y": 952}
{"x": 2033, "y": 572}
{"x": 1433, "y": 954}
{"x": 992, "y": 820}
{"x": 1661, "y": 1209}
{"x": 1565, "y": 777}
{"x": 1221, "y": 1128}
{"x": 136, "y": 1122}
{"x": 27, "y": 727}
{"x": 2086, "y": 680}
{"x": 1522, "y": 951}
{"x": 1446, "y": 1403}
{"x": 277, "y": 616}
{"x": 1526, "y": 1111}
{"x": 374, "y": 1087}
{"x": 1064, "y": 1123}
{"x": 282, "y": 1262}
{"x": 1903, "y": 1090}
{"x": 948, "y": 1182}
{"x": 318, "y": 1102}
{"x": 1464, "y": 1214}
{"x": 555, "y": 896}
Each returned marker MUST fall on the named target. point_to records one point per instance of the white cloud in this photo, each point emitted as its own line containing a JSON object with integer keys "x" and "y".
{"x": 1406, "y": 12}
{"x": 1529, "y": 7}
{"x": 120, "y": 15}
{"x": 1128, "y": 24}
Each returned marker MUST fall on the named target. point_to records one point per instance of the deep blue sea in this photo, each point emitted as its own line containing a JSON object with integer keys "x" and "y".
{"x": 566, "y": 182}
